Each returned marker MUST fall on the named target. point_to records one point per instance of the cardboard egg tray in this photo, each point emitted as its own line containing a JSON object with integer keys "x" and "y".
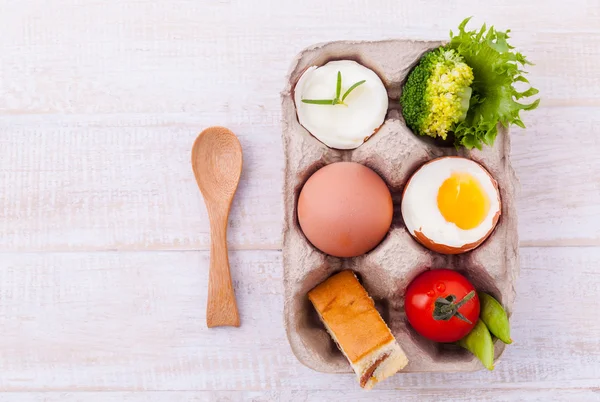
{"x": 394, "y": 152}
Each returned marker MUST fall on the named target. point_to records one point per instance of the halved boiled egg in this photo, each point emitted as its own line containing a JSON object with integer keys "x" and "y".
{"x": 451, "y": 205}
{"x": 341, "y": 103}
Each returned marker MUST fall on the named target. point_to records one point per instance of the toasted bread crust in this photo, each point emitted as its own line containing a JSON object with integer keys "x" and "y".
{"x": 350, "y": 314}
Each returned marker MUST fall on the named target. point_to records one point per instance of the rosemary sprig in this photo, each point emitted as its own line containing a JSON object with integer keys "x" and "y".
{"x": 338, "y": 91}
{"x": 352, "y": 88}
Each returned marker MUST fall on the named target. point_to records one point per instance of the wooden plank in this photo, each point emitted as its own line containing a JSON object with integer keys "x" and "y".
{"x": 147, "y": 57}
{"x": 127, "y": 183}
{"x": 456, "y": 395}
{"x": 133, "y": 321}
{"x": 555, "y": 160}
{"x": 124, "y": 182}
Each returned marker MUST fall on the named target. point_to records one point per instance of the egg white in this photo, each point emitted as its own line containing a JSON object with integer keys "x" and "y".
{"x": 420, "y": 208}
{"x": 339, "y": 126}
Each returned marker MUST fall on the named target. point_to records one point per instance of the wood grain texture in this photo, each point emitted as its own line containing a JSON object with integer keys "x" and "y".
{"x": 136, "y": 321}
{"x": 92, "y": 108}
{"x": 124, "y": 182}
{"x": 217, "y": 164}
{"x": 100, "y": 103}
{"x": 456, "y": 395}
{"x": 144, "y": 56}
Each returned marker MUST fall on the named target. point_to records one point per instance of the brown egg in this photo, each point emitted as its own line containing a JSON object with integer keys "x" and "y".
{"x": 345, "y": 209}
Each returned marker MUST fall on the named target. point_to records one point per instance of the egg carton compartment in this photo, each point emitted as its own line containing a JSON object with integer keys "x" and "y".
{"x": 395, "y": 153}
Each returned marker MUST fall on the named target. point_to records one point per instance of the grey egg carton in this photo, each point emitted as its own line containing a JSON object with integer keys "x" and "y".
{"x": 394, "y": 152}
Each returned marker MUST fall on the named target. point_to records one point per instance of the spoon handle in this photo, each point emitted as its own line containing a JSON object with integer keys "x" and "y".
{"x": 221, "y": 309}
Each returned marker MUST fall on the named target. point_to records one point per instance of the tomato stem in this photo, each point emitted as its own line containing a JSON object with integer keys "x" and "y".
{"x": 446, "y": 307}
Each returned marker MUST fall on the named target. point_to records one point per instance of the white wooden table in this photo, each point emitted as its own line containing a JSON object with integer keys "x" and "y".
{"x": 104, "y": 236}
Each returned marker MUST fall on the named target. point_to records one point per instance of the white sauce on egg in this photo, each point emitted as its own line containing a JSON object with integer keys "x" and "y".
{"x": 341, "y": 126}
{"x": 420, "y": 210}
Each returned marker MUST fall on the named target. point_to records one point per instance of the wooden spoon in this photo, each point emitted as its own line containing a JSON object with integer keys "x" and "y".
{"x": 217, "y": 164}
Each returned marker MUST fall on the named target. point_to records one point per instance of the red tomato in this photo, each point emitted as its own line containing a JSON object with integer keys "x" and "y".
{"x": 442, "y": 305}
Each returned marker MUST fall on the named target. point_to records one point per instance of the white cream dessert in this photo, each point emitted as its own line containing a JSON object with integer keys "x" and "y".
{"x": 341, "y": 103}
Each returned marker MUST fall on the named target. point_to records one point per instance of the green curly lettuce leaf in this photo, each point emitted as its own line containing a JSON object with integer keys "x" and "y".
{"x": 494, "y": 99}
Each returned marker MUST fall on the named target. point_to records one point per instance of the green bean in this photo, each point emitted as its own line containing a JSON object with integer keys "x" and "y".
{"x": 479, "y": 342}
{"x": 494, "y": 317}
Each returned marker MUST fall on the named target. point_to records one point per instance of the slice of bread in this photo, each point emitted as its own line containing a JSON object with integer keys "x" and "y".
{"x": 350, "y": 317}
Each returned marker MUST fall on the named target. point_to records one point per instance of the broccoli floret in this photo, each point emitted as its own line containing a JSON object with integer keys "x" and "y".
{"x": 437, "y": 92}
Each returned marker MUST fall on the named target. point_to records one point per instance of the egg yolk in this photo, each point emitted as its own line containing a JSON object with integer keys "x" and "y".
{"x": 462, "y": 201}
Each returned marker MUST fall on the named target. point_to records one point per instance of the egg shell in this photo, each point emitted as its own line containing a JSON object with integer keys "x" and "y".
{"x": 394, "y": 153}
{"x": 345, "y": 209}
{"x": 446, "y": 249}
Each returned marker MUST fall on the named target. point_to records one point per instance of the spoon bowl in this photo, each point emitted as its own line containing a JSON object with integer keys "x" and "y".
{"x": 217, "y": 165}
